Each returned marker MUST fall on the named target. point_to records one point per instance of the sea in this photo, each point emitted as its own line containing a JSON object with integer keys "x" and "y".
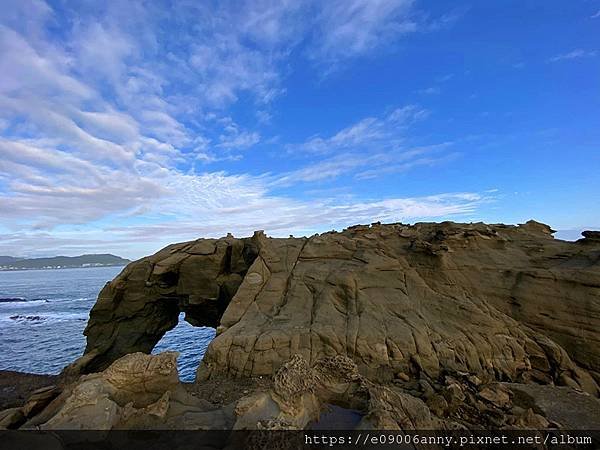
{"x": 43, "y": 314}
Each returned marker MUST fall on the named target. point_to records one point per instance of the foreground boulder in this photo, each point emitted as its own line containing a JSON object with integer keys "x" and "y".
{"x": 138, "y": 391}
{"x": 501, "y": 303}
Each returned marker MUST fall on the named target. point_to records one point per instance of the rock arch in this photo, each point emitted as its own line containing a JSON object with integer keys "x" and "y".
{"x": 144, "y": 301}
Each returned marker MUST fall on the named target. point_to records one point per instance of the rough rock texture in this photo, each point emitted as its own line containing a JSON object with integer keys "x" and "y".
{"x": 134, "y": 311}
{"x": 138, "y": 391}
{"x": 502, "y": 303}
{"x": 563, "y": 406}
{"x": 431, "y": 326}
{"x": 142, "y": 391}
{"x": 300, "y": 393}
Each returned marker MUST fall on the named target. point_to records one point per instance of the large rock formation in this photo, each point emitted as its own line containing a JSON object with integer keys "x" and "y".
{"x": 431, "y": 326}
{"x": 507, "y": 303}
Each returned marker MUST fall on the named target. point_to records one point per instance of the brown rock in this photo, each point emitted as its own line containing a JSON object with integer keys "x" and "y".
{"x": 454, "y": 395}
{"x": 532, "y": 420}
{"x": 438, "y": 405}
{"x": 574, "y": 410}
{"x": 136, "y": 391}
{"x": 486, "y": 302}
{"x": 39, "y": 399}
{"x": 498, "y": 303}
{"x": 497, "y": 394}
{"x": 11, "y": 418}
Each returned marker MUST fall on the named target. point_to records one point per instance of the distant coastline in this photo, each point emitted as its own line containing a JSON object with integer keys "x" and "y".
{"x": 9, "y": 263}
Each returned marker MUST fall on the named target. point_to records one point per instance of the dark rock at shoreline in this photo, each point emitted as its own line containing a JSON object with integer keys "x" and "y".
{"x": 12, "y": 299}
{"x": 591, "y": 235}
{"x": 29, "y": 318}
{"x": 16, "y": 387}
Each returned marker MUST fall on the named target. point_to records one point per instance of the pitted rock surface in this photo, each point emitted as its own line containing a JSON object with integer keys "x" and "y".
{"x": 502, "y": 303}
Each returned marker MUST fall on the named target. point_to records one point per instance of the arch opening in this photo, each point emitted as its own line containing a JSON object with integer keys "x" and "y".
{"x": 191, "y": 342}
{"x": 202, "y": 294}
{"x": 149, "y": 298}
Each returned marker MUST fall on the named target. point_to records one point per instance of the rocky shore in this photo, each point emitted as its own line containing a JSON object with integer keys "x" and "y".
{"x": 17, "y": 387}
{"x": 430, "y": 326}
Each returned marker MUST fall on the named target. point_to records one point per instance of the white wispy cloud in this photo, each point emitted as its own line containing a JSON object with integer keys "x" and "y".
{"x": 595, "y": 16}
{"x": 104, "y": 122}
{"x": 371, "y": 147}
{"x": 206, "y": 219}
{"x": 49, "y": 187}
{"x": 575, "y": 54}
{"x": 425, "y": 156}
{"x": 368, "y": 132}
{"x": 234, "y": 138}
{"x": 364, "y": 166}
{"x": 47, "y": 209}
{"x": 351, "y": 28}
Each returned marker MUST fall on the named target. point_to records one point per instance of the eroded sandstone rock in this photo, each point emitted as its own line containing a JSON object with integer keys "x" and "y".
{"x": 430, "y": 326}
{"x": 137, "y": 391}
{"x": 501, "y": 303}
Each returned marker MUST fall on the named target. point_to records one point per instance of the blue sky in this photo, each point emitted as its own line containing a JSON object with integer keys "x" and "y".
{"x": 125, "y": 126}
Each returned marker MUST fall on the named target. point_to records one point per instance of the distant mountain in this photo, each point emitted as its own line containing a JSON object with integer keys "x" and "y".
{"x": 9, "y": 260}
{"x": 61, "y": 262}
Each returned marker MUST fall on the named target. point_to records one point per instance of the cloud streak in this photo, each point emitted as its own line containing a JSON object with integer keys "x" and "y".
{"x": 575, "y": 54}
{"x": 241, "y": 216}
{"x": 368, "y": 132}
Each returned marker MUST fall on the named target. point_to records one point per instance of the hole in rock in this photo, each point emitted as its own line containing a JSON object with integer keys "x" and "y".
{"x": 191, "y": 343}
{"x": 335, "y": 417}
{"x": 201, "y": 295}
{"x": 174, "y": 309}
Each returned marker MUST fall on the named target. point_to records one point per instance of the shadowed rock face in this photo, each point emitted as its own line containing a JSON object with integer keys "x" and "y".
{"x": 135, "y": 310}
{"x": 504, "y": 303}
